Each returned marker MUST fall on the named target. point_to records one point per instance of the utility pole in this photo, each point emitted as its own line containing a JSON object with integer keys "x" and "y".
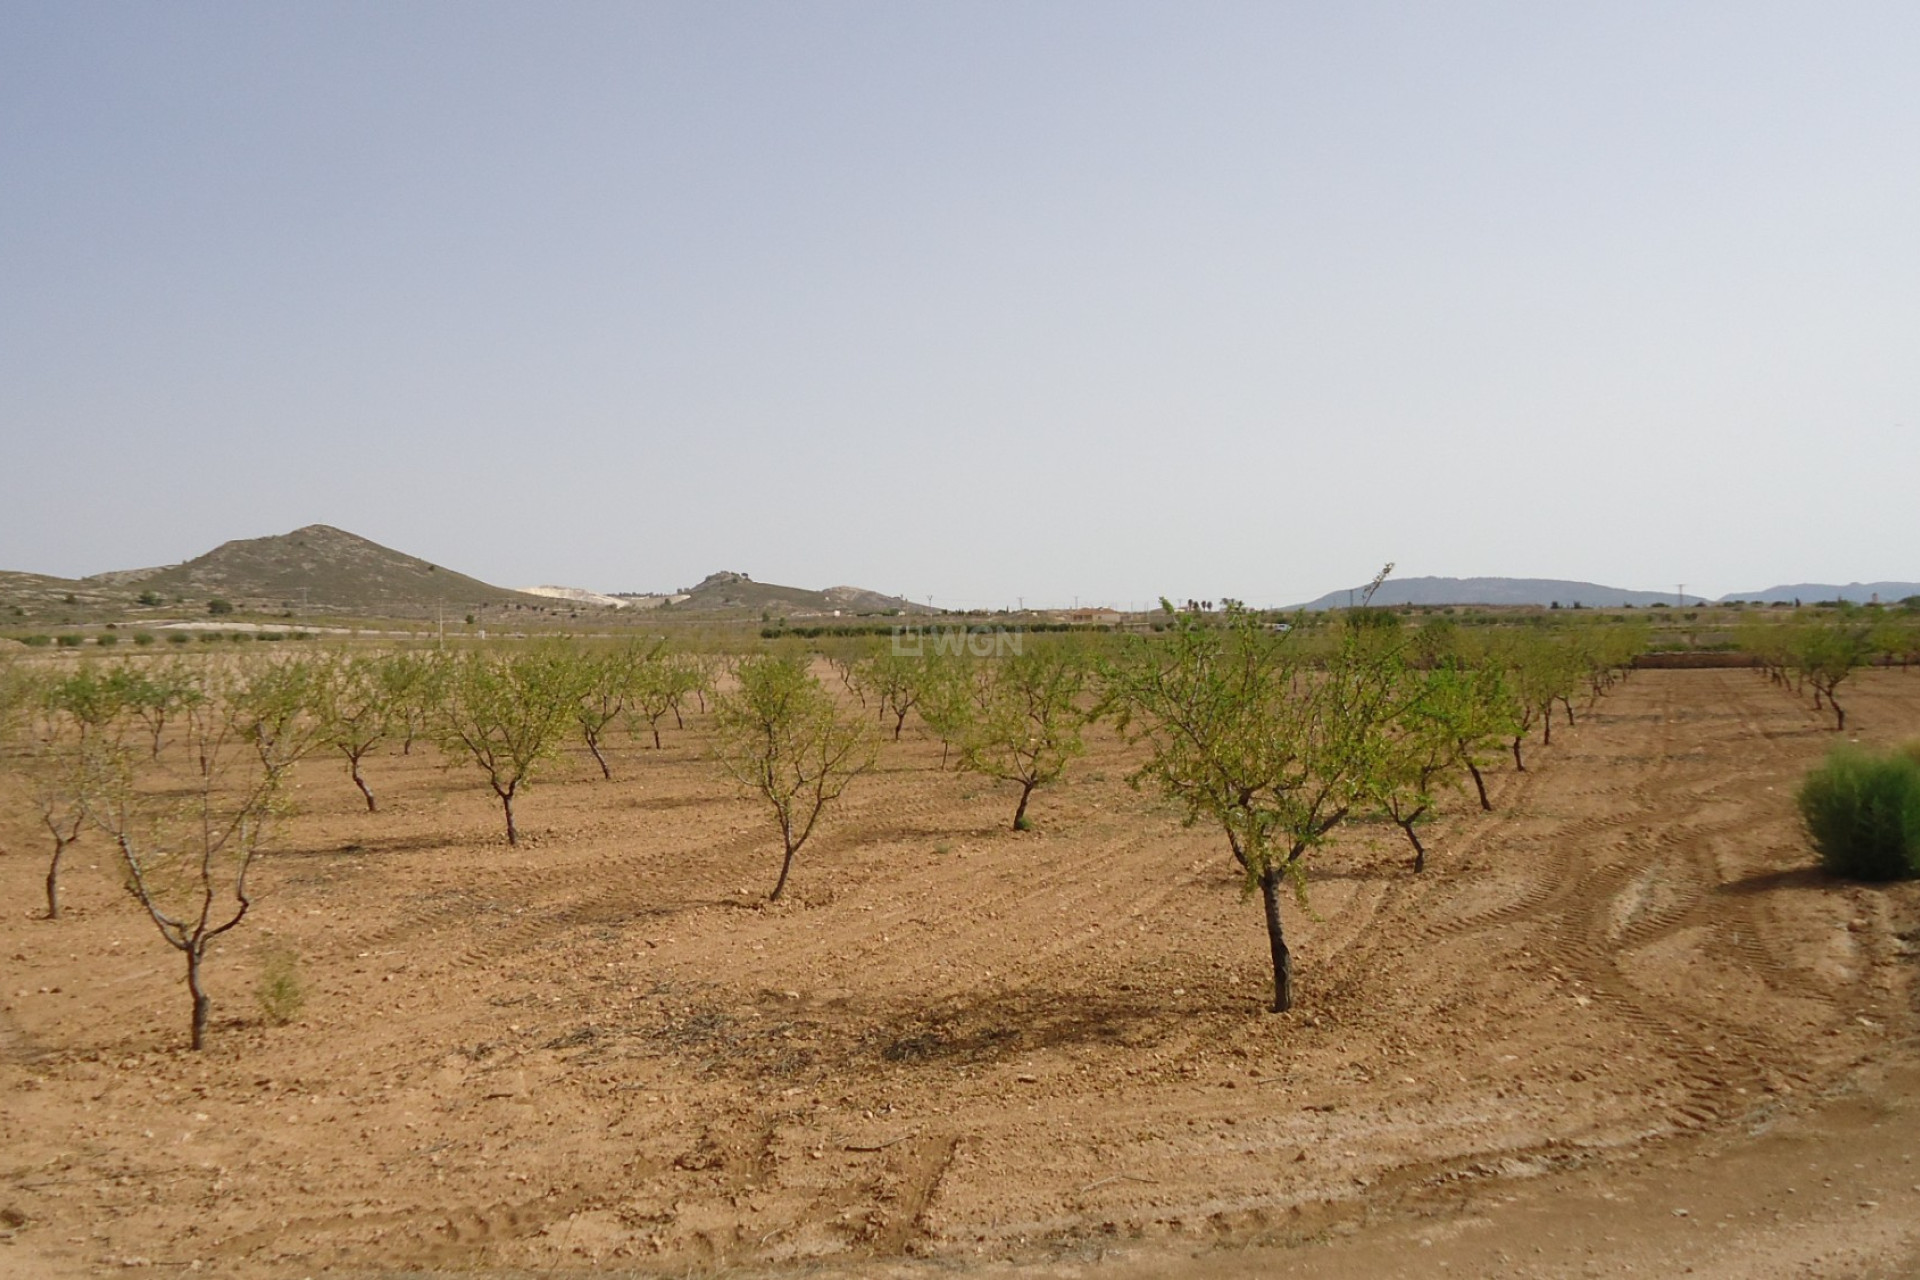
{"x": 1680, "y": 595}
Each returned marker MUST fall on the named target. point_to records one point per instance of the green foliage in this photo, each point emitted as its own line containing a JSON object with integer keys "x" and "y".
{"x": 218, "y": 607}
{"x": 189, "y": 823}
{"x": 1862, "y": 811}
{"x": 508, "y": 713}
{"x": 353, "y": 705}
{"x": 781, "y": 737}
{"x": 1261, "y": 736}
{"x": 1023, "y": 720}
{"x": 281, "y": 992}
{"x": 69, "y": 641}
{"x": 893, "y": 681}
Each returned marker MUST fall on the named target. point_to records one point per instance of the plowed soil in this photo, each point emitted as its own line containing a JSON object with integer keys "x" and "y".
{"x": 1563, "y": 1048}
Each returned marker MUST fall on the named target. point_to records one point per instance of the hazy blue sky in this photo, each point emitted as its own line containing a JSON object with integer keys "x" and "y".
{"x": 970, "y": 301}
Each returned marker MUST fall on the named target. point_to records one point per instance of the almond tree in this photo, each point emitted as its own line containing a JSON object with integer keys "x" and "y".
{"x": 414, "y": 684}
{"x": 1025, "y": 719}
{"x": 508, "y": 714}
{"x": 894, "y": 681}
{"x": 779, "y": 734}
{"x": 1826, "y": 653}
{"x": 1246, "y": 731}
{"x": 190, "y": 825}
{"x": 1421, "y": 749}
{"x": 607, "y": 682}
{"x": 65, "y": 718}
{"x": 355, "y": 707}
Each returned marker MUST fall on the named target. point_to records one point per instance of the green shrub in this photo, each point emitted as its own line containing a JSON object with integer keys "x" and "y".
{"x": 178, "y": 637}
{"x": 1863, "y": 812}
{"x": 281, "y": 993}
{"x": 143, "y": 637}
{"x": 210, "y": 637}
{"x": 217, "y": 606}
{"x": 36, "y": 642}
{"x": 106, "y": 637}
{"x": 69, "y": 642}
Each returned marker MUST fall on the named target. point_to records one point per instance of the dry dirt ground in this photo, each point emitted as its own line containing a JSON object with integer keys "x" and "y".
{"x": 1617, "y": 1025}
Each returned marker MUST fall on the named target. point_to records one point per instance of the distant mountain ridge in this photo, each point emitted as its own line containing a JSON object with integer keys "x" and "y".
{"x": 1814, "y": 592}
{"x": 1539, "y": 592}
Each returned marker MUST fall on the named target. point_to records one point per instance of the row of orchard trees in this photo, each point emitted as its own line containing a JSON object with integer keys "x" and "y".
{"x": 184, "y": 765}
{"x": 1818, "y": 653}
{"x": 1274, "y": 733}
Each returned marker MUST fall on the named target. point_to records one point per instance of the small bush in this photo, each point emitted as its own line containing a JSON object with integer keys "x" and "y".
{"x": 1863, "y": 812}
{"x": 218, "y": 607}
{"x": 36, "y": 642}
{"x": 210, "y": 637}
{"x": 281, "y": 993}
{"x": 143, "y": 637}
{"x": 106, "y": 637}
{"x": 178, "y": 637}
{"x": 69, "y": 642}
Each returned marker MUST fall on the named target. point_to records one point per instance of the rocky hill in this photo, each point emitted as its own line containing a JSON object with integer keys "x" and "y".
{"x": 735, "y": 592}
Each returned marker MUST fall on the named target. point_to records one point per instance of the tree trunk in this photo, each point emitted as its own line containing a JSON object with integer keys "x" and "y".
{"x": 1419, "y": 850}
{"x": 599, "y": 759}
{"x": 506, "y": 805}
{"x": 53, "y": 878}
{"x": 1839, "y": 713}
{"x": 353, "y": 767}
{"x": 202, "y": 1003}
{"x": 1020, "y": 814}
{"x": 786, "y": 866}
{"x": 1546, "y": 725}
{"x": 1480, "y": 785}
{"x": 1518, "y": 763}
{"x": 656, "y": 735}
{"x": 1569, "y": 707}
{"x": 1277, "y": 941}
{"x": 898, "y": 725}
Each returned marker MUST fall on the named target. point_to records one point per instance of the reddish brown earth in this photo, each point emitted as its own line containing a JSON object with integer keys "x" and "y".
{"x": 1617, "y": 1024}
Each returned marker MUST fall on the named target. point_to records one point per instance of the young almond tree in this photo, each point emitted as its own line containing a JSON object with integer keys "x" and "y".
{"x": 607, "y": 682}
{"x": 894, "y": 682}
{"x": 1245, "y": 731}
{"x": 66, "y": 717}
{"x": 1825, "y": 654}
{"x": 414, "y": 685}
{"x": 947, "y": 684}
{"x": 508, "y": 714}
{"x": 1026, "y": 719}
{"x": 355, "y": 709}
{"x": 190, "y": 825}
{"x": 1419, "y": 750}
{"x": 779, "y": 734}
{"x": 656, "y": 688}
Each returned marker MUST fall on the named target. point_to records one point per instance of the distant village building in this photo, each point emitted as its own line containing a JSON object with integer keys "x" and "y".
{"x": 1108, "y": 616}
